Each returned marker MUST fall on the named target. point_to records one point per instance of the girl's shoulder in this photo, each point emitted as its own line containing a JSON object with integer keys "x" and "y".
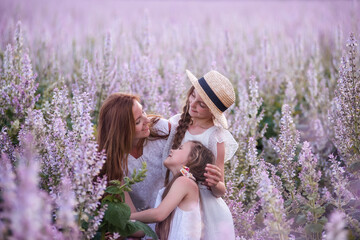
{"x": 185, "y": 182}
{"x": 174, "y": 120}
{"x": 162, "y": 125}
{"x": 222, "y": 135}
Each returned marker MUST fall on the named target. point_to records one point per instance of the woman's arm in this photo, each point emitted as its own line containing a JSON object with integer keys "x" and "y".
{"x": 215, "y": 173}
{"x": 177, "y": 193}
{"x": 129, "y": 202}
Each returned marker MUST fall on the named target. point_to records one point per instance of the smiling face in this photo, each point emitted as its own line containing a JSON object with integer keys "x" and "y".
{"x": 198, "y": 108}
{"x": 178, "y": 157}
{"x": 141, "y": 122}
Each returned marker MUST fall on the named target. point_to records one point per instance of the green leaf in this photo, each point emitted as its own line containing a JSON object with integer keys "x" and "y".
{"x": 323, "y": 221}
{"x": 117, "y": 214}
{"x": 314, "y": 228}
{"x": 319, "y": 211}
{"x": 122, "y": 195}
{"x": 133, "y": 227}
{"x": 113, "y": 190}
{"x": 127, "y": 189}
{"x": 300, "y": 219}
{"x": 108, "y": 198}
{"x": 134, "y": 173}
{"x": 115, "y": 182}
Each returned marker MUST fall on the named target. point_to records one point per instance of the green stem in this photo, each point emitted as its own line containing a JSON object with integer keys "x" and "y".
{"x": 103, "y": 233}
{"x": 79, "y": 218}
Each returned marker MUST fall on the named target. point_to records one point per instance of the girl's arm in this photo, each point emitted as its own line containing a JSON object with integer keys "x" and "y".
{"x": 178, "y": 191}
{"x": 215, "y": 173}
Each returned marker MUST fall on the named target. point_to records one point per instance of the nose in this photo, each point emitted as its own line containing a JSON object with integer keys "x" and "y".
{"x": 147, "y": 120}
{"x": 192, "y": 104}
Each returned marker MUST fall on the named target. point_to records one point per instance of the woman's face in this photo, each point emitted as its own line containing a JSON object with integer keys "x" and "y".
{"x": 178, "y": 157}
{"x": 141, "y": 122}
{"x": 198, "y": 108}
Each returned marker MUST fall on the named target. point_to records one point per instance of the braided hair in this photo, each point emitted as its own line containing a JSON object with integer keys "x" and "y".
{"x": 184, "y": 122}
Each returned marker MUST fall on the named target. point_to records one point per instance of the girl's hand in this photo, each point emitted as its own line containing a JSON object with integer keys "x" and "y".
{"x": 213, "y": 175}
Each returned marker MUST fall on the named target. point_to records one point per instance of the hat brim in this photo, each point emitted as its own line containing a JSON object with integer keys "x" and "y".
{"x": 219, "y": 116}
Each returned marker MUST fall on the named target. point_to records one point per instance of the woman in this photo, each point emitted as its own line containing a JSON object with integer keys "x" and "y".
{"x": 129, "y": 138}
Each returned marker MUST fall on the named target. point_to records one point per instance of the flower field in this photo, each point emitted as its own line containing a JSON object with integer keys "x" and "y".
{"x": 295, "y": 67}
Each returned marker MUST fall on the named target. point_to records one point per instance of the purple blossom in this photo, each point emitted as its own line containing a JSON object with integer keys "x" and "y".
{"x": 309, "y": 176}
{"x": 18, "y": 85}
{"x": 274, "y": 212}
{"x": 340, "y": 183}
{"x": 245, "y": 121}
{"x": 290, "y": 95}
{"x": 244, "y": 216}
{"x": 33, "y": 212}
{"x": 285, "y": 146}
{"x": 335, "y": 228}
{"x": 65, "y": 216}
{"x": 69, "y": 154}
{"x": 346, "y": 111}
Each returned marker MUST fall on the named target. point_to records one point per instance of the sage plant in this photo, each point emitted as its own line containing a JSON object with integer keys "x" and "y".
{"x": 286, "y": 146}
{"x": 345, "y": 115}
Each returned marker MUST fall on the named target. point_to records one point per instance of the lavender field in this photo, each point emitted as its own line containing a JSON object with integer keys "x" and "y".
{"x": 295, "y": 67}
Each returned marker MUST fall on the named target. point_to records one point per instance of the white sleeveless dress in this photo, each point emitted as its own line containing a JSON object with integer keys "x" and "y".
{"x": 217, "y": 218}
{"x": 144, "y": 193}
{"x": 185, "y": 225}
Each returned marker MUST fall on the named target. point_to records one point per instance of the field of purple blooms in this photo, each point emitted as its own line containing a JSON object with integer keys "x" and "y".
{"x": 295, "y": 67}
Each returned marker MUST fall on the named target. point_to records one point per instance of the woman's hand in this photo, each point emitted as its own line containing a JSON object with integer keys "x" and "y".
{"x": 213, "y": 175}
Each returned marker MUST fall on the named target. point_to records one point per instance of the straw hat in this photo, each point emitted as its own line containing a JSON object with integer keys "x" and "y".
{"x": 216, "y": 91}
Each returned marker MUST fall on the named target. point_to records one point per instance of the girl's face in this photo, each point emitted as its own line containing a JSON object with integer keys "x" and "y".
{"x": 141, "y": 122}
{"x": 198, "y": 108}
{"x": 178, "y": 157}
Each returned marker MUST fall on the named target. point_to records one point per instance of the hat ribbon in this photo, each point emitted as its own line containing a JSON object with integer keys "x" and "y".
{"x": 211, "y": 94}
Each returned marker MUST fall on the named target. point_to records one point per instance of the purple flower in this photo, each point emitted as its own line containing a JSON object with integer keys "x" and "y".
{"x": 345, "y": 112}
{"x": 335, "y": 228}
{"x": 33, "y": 212}
{"x": 272, "y": 204}
{"x": 285, "y": 146}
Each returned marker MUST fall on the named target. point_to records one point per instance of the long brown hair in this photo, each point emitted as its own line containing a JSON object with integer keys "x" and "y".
{"x": 116, "y": 130}
{"x": 184, "y": 122}
{"x": 198, "y": 157}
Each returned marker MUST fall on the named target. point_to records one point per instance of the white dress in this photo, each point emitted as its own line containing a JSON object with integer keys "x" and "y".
{"x": 217, "y": 218}
{"x": 144, "y": 193}
{"x": 185, "y": 225}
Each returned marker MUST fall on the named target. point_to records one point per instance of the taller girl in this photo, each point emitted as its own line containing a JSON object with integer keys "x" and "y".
{"x": 203, "y": 120}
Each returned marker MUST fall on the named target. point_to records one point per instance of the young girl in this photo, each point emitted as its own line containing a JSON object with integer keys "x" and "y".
{"x": 177, "y": 208}
{"x": 203, "y": 120}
